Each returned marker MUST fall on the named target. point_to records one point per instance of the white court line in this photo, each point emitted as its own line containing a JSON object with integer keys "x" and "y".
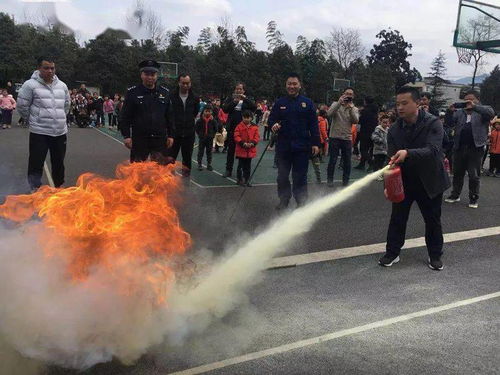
{"x": 267, "y": 184}
{"x": 333, "y": 335}
{"x": 48, "y": 174}
{"x": 349, "y": 252}
{"x": 109, "y": 136}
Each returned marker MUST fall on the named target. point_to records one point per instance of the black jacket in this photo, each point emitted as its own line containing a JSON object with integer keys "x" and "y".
{"x": 368, "y": 120}
{"x": 146, "y": 112}
{"x": 235, "y": 116}
{"x": 183, "y": 118}
{"x": 425, "y": 153}
{"x": 208, "y": 130}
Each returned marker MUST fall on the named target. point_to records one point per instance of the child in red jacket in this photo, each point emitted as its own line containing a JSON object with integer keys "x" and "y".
{"x": 495, "y": 149}
{"x": 246, "y": 137}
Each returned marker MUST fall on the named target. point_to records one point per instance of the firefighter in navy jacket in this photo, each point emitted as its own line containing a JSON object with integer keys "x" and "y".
{"x": 294, "y": 119}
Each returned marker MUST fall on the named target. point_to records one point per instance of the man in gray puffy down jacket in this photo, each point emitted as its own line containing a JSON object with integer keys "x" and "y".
{"x": 43, "y": 102}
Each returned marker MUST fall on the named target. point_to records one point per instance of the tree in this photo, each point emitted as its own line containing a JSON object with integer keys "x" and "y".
{"x": 205, "y": 40}
{"x": 274, "y": 36}
{"x": 438, "y": 70}
{"x": 393, "y": 51}
{"x": 345, "y": 46}
{"x": 490, "y": 89}
{"x": 479, "y": 28}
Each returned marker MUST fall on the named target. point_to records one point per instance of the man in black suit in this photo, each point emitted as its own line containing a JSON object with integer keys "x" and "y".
{"x": 414, "y": 142}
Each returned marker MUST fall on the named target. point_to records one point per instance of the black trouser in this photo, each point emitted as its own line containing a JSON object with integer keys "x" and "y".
{"x": 110, "y": 119}
{"x": 494, "y": 163}
{"x": 431, "y": 212}
{"x": 7, "y": 116}
{"x": 267, "y": 133}
{"x": 244, "y": 168}
{"x": 146, "y": 146}
{"x": 38, "y": 146}
{"x": 185, "y": 145}
{"x": 205, "y": 143}
{"x": 379, "y": 161}
{"x": 231, "y": 148}
{"x": 100, "y": 118}
{"x": 366, "y": 148}
{"x": 467, "y": 159}
{"x": 344, "y": 147}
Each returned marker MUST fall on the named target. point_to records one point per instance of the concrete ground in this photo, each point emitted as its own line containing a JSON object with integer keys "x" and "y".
{"x": 345, "y": 316}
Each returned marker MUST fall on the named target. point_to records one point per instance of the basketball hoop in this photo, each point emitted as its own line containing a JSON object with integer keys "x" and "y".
{"x": 464, "y": 55}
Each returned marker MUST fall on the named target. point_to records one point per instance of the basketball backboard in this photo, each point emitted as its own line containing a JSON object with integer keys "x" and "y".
{"x": 168, "y": 70}
{"x": 478, "y": 26}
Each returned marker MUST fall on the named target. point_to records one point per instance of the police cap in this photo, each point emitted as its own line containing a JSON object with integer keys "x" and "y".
{"x": 150, "y": 66}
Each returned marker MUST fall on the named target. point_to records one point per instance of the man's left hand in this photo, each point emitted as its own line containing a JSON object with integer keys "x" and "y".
{"x": 170, "y": 142}
{"x": 399, "y": 157}
{"x": 315, "y": 150}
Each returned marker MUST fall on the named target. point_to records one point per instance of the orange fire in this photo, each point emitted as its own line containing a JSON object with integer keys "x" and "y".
{"x": 122, "y": 224}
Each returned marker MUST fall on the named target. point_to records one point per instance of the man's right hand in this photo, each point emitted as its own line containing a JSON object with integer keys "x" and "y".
{"x": 128, "y": 143}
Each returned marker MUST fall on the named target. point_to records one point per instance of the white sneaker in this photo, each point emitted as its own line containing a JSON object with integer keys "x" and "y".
{"x": 452, "y": 199}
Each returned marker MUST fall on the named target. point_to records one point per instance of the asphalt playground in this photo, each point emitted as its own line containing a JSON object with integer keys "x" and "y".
{"x": 325, "y": 307}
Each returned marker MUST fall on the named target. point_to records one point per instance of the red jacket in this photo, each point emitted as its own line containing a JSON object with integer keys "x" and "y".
{"x": 246, "y": 134}
{"x": 495, "y": 142}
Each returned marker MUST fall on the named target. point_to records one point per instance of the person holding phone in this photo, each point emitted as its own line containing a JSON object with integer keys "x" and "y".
{"x": 470, "y": 123}
{"x": 344, "y": 114}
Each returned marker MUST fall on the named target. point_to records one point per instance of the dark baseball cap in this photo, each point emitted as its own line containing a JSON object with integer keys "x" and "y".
{"x": 150, "y": 66}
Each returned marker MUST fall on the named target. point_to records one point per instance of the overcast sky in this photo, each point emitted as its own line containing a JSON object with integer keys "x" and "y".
{"x": 427, "y": 24}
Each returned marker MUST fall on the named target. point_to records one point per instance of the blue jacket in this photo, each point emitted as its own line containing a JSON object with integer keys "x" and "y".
{"x": 299, "y": 123}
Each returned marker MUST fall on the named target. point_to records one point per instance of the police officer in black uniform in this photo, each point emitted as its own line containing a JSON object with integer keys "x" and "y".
{"x": 145, "y": 112}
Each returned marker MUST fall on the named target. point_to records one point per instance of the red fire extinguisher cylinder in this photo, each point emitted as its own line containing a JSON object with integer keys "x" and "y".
{"x": 393, "y": 183}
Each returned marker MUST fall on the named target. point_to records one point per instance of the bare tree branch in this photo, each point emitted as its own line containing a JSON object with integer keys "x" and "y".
{"x": 345, "y": 46}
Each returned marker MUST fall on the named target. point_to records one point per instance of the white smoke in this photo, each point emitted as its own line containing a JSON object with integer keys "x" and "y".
{"x": 44, "y": 316}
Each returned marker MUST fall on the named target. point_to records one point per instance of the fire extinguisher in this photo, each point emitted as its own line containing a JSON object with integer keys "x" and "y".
{"x": 393, "y": 183}
{"x": 446, "y": 163}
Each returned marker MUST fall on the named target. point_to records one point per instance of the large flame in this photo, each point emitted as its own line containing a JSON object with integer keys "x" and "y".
{"x": 121, "y": 224}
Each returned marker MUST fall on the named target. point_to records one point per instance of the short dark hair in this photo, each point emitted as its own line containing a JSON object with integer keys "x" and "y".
{"x": 208, "y": 108}
{"x": 383, "y": 117}
{"x": 182, "y": 75}
{"x": 472, "y": 92}
{"x": 41, "y": 59}
{"x": 322, "y": 113}
{"x": 247, "y": 113}
{"x": 293, "y": 75}
{"x": 415, "y": 95}
{"x": 426, "y": 94}
{"x": 348, "y": 88}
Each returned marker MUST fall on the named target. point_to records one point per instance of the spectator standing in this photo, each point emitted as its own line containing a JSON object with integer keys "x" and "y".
{"x": 44, "y": 101}
{"x": 471, "y": 127}
{"x": 494, "y": 169}
{"x": 183, "y": 112}
{"x": 234, "y": 107}
{"x": 206, "y": 127}
{"x": 246, "y": 137}
{"x": 368, "y": 121}
{"x": 109, "y": 109}
{"x": 379, "y": 138}
{"x": 99, "y": 110}
{"x": 344, "y": 114}
{"x": 8, "y": 105}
